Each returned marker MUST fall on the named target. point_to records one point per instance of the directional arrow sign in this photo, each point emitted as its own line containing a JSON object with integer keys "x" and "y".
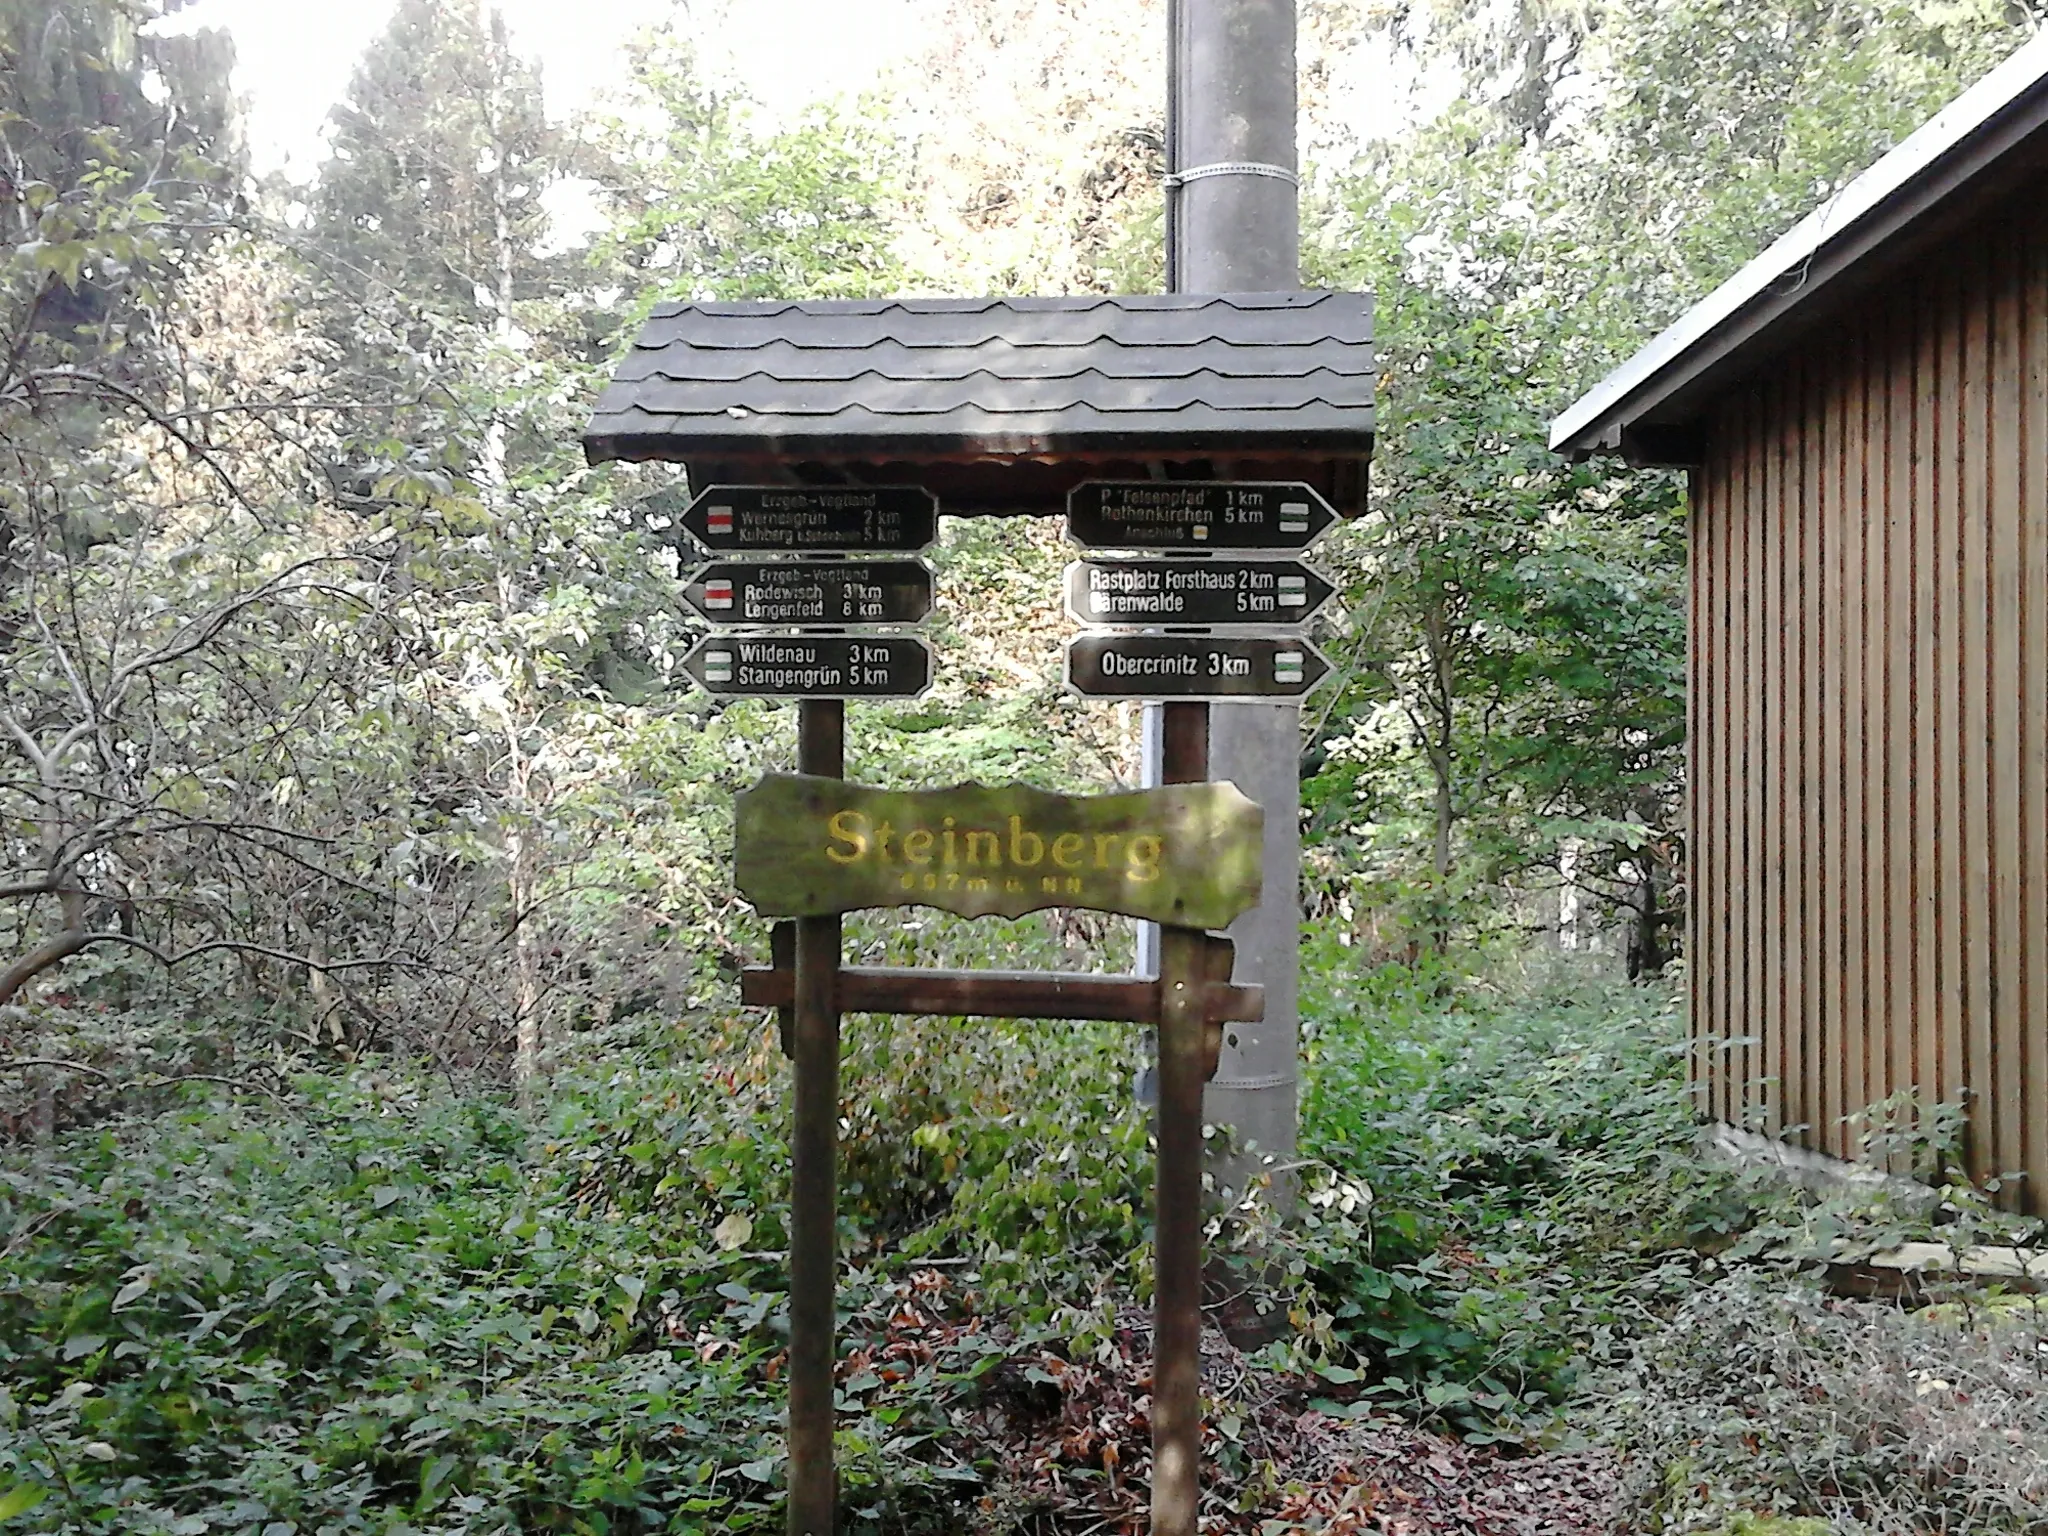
{"x": 1193, "y": 666}
{"x": 812, "y": 666}
{"x": 1196, "y": 514}
{"x": 1233, "y": 593}
{"x": 817, "y": 594}
{"x": 786, "y": 519}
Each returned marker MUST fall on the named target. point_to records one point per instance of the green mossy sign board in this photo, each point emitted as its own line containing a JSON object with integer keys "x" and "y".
{"x": 1187, "y": 854}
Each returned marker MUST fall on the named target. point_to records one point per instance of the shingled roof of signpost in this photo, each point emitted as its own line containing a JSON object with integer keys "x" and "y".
{"x": 1001, "y": 404}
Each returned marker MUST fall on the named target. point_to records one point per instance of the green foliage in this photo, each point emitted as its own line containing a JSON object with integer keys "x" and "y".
{"x": 1516, "y": 623}
{"x": 707, "y": 206}
{"x": 1507, "y": 1189}
{"x": 1726, "y": 122}
{"x": 441, "y": 153}
{"x": 379, "y": 1305}
{"x": 389, "y": 1310}
{"x": 412, "y": 711}
{"x": 120, "y": 167}
{"x": 1515, "y": 690}
{"x": 82, "y": 81}
{"x": 343, "y": 727}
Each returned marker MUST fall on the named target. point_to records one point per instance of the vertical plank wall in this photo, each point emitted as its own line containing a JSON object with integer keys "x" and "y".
{"x": 1869, "y": 784}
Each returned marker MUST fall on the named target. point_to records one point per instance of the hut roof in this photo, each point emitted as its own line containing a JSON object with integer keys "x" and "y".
{"x": 1975, "y": 150}
{"x": 1059, "y": 387}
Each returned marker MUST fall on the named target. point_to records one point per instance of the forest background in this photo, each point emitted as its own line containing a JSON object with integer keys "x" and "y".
{"x": 348, "y": 782}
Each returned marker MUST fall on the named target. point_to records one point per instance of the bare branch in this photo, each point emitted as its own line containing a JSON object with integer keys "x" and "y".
{"x": 52, "y": 951}
{"x": 22, "y": 1063}
{"x": 202, "y": 631}
{"x": 36, "y": 755}
{"x": 72, "y": 941}
{"x": 100, "y": 384}
{"x": 147, "y": 1080}
{"x": 236, "y": 946}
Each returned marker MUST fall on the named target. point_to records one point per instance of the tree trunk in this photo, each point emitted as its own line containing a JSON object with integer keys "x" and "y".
{"x": 526, "y": 1016}
{"x": 1441, "y": 764}
{"x": 1646, "y": 953}
{"x": 522, "y": 843}
{"x": 67, "y": 937}
{"x": 496, "y": 476}
{"x": 1568, "y": 895}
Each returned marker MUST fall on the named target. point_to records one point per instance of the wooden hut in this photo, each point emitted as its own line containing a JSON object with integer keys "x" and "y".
{"x": 1864, "y": 413}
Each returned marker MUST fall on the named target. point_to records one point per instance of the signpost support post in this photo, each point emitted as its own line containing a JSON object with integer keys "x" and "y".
{"x": 814, "y": 1155}
{"x": 1177, "y": 1213}
{"x": 1186, "y": 855}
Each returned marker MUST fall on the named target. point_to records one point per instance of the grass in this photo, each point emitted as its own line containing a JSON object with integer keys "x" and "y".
{"x": 1533, "y": 1193}
{"x": 1799, "y": 1412}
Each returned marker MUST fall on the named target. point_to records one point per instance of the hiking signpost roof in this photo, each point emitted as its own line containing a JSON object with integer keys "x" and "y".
{"x": 1005, "y": 404}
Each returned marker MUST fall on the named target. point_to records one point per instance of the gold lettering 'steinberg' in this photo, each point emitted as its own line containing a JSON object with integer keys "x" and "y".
{"x": 857, "y": 839}
{"x": 1186, "y": 854}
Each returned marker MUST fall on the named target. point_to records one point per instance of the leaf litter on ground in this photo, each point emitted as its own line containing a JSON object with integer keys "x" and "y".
{"x": 1064, "y": 1445}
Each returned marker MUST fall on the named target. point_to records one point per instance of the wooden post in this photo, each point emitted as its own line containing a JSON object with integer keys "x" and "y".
{"x": 1177, "y": 1211}
{"x": 1207, "y": 838}
{"x": 814, "y": 1153}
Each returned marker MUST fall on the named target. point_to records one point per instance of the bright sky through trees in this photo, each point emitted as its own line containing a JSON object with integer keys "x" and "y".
{"x": 294, "y": 60}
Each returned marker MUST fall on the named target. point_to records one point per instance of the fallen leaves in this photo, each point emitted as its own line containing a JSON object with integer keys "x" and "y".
{"x": 1065, "y": 1445}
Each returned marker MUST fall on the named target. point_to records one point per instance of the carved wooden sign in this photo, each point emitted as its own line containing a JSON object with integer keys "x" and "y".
{"x": 1186, "y": 854}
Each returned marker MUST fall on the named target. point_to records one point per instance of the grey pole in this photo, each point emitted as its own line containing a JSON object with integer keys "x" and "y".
{"x": 1236, "y": 228}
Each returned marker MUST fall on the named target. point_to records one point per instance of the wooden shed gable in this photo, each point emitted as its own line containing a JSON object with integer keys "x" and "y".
{"x": 1870, "y": 716}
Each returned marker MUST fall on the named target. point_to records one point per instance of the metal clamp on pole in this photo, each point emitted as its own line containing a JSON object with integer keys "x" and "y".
{"x": 1231, "y": 168}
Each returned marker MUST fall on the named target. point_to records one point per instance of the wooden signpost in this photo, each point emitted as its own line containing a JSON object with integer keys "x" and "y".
{"x": 1187, "y": 855}
{"x": 810, "y": 847}
{"x": 777, "y": 666}
{"x": 1113, "y": 666}
{"x": 1190, "y": 516}
{"x": 1184, "y": 593}
{"x": 813, "y": 519}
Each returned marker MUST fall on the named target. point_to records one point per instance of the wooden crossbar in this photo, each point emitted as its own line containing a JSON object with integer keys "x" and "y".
{"x": 1004, "y": 994}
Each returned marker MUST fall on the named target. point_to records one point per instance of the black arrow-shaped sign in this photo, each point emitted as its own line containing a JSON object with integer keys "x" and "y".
{"x": 1197, "y": 514}
{"x": 812, "y": 666}
{"x": 1217, "y": 594}
{"x": 1112, "y": 666}
{"x": 813, "y": 594}
{"x": 821, "y": 519}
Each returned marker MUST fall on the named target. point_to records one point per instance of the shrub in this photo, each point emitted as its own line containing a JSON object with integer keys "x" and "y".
{"x": 1504, "y": 1187}
{"x": 1767, "y": 1398}
{"x": 384, "y": 1306}
{"x": 389, "y": 1311}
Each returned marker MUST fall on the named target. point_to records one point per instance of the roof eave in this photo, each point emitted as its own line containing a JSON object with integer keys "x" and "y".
{"x": 641, "y": 447}
{"x": 1827, "y": 254}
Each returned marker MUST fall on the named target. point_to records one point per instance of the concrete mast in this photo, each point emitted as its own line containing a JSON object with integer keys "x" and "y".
{"x": 1234, "y": 226}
